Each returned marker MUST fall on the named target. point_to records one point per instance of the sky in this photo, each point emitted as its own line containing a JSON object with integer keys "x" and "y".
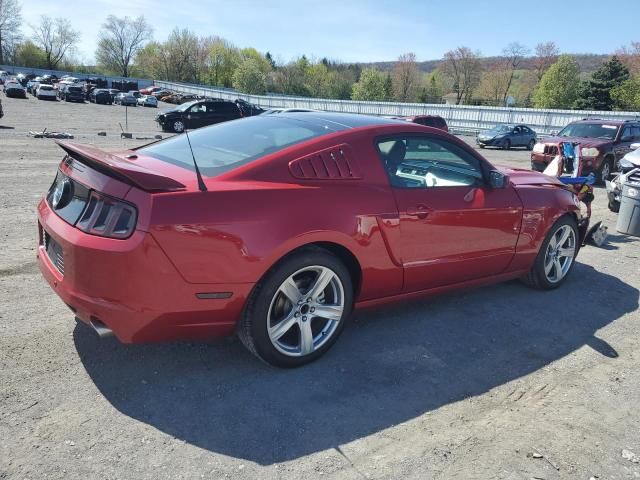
{"x": 365, "y": 31}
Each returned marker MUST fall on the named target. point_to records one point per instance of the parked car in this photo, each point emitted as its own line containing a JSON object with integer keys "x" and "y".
{"x": 46, "y": 92}
{"x": 248, "y": 109}
{"x": 507, "y": 136}
{"x": 125, "y": 99}
{"x": 148, "y": 101}
{"x": 161, "y": 93}
{"x": 32, "y": 85}
{"x": 72, "y": 93}
{"x": 149, "y": 90}
{"x": 100, "y": 95}
{"x": 602, "y": 144}
{"x": 113, "y": 92}
{"x": 197, "y": 114}
{"x": 403, "y": 204}
{"x": 15, "y": 90}
{"x": 435, "y": 121}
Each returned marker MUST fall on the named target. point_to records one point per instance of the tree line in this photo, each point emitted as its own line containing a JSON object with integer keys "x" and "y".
{"x": 540, "y": 78}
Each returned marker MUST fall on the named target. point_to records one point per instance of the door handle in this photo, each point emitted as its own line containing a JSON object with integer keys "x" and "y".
{"x": 420, "y": 211}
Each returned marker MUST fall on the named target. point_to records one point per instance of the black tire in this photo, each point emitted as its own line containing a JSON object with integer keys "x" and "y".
{"x": 506, "y": 144}
{"x": 531, "y": 144}
{"x": 614, "y": 206}
{"x": 536, "y": 278}
{"x": 481, "y": 145}
{"x": 252, "y": 327}
{"x": 606, "y": 168}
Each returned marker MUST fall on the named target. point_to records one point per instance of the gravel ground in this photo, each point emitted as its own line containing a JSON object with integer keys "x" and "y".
{"x": 500, "y": 382}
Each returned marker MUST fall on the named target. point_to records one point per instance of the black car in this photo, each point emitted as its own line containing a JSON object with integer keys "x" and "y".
{"x": 72, "y": 93}
{"x": 100, "y": 95}
{"x": 507, "y": 136}
{"x": 198, "y": 114}
{"x": 15, "y": 90}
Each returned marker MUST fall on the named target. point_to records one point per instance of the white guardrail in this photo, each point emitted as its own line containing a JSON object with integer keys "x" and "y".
{"x": 460, "y": 118}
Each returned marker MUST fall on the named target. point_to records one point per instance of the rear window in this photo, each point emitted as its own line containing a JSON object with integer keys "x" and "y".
{"x": 75, "y": 89}
{"x": 223, "y": 147}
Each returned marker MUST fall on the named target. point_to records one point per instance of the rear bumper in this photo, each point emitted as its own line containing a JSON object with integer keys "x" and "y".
{"x": 133, "y": 288}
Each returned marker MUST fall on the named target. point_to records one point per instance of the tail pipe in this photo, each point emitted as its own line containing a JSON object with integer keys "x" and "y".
{"x": 101, "y": 329}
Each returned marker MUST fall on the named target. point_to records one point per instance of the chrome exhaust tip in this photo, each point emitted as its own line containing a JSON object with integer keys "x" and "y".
{"x": 101, "y": 329}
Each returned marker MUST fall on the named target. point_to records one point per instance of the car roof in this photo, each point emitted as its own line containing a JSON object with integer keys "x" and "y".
{"x": 343, "y": 120}
{"x": 599, "y": 121}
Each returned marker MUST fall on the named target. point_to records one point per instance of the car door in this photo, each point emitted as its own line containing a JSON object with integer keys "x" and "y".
{"x": 518, "y": 137}
{"x": 627, "y": 137}
{"x": 453, "y": 226}
{"x": 196, "y": 115}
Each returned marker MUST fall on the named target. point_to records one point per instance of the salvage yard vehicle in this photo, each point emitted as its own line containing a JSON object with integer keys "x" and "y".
{"x": 603, "y": 143}
{"x": 148, "y": 101}
{"x": 14, "y": 90}
{"x": 197, "y": 114}
{"x": 125, "y": 99}
{"x": 507, "y": 136}
{"x": 72, "y": 93}
{"x": 100, "y": 95}
{"x": 435, "y": 121}
{"x": 231, "y": 222}
{"x": 46, "y": 92}
{"x": 629, "y": 171}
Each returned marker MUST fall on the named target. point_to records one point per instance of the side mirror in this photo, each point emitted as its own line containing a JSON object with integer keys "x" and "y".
{"x": 498, "y": 179}
{"x": 635, "y": 146}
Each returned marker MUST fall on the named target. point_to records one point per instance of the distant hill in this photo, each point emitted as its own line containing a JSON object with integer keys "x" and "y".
{"x": 588, "y": 63}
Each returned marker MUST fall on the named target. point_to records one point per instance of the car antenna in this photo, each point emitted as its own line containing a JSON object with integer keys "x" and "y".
{"x": 201, "y": 185}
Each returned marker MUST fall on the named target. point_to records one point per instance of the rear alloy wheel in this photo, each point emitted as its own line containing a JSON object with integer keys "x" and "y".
{"x": 178, "y": 126}
{"x": 532, "y": 143}
{"x": 506, "y": 144}
{"x": 298, "y": 310}
{"x": 556, "y": 256}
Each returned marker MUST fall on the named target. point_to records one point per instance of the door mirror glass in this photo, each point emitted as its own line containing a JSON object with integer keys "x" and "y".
{"x": 497, "y": 179}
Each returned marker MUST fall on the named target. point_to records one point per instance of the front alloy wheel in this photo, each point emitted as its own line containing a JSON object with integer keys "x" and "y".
{"x": 560, "y": 252}
{"x": 178, "y": 126}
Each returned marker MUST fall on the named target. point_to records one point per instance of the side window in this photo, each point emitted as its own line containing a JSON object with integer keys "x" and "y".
{"x": 198, "y": 108}
{"x": 636, "y": 132}
{"x": 427, "y": 162}
{"x": 626, "y": 132}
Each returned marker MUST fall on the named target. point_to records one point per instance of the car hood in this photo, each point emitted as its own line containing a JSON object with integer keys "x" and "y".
{"x": 584, "y": 142}
{"x": 633, "y": 157}
{"x": 171, "y": 111}
{"x": 521, "y": 176}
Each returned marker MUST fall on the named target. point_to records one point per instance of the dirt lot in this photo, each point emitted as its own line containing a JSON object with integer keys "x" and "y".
{"x": 501, "y": 382}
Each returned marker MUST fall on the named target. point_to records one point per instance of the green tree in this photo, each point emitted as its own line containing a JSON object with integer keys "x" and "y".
{"x": 371, "y": 86}
{"x": 120, "y": 39}
{"x": 627, "y": 95}
{"x": 558, "y": 87}
{"x": 595, "y": 93}
{"x": 222, "y": 61}
{"x": 249, "y": 77}
{"x": 30, "y": 55}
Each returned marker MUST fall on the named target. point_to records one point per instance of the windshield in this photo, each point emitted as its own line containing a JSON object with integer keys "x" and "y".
{"x": 590, "y": 130}
{"x": 184, "y": 106}
{"x": 226, "y": 146}
{"x": 500, "y": 129}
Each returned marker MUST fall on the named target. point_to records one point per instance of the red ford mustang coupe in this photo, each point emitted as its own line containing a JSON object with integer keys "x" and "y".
{"x": 276, "y": 226}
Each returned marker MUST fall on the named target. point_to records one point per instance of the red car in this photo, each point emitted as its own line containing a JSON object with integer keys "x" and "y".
{"x": 149, "y": 90}
{"x": 286, "y": 223}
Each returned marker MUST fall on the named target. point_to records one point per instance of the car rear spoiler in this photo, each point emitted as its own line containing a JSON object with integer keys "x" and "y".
{"x": 120, "y": 169}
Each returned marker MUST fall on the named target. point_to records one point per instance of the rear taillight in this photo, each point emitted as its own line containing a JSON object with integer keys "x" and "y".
{"x": 107, "y": 217}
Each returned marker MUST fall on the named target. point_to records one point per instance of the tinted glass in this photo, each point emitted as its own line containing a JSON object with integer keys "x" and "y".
{"x": 428, "y": 162}
{"x": 223, "y": 147}
{"x": 590, "y": 130}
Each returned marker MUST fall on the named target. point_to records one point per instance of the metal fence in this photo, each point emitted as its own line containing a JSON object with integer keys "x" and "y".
{"x": 142, "y": 82}
{"x": 461, "y": 118}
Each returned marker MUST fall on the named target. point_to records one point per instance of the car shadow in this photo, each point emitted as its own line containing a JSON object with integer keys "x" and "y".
{"x": 6, "y": 127}
{"x": 391, "y": 365}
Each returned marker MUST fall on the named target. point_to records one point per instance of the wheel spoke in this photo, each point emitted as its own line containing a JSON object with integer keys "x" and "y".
{"x": 548, "y": 266}
{"x": 330, "y": 312}
{"x": 553, "y": 242}
{"x": 290, "y": 290}
{"x": 558, "y": 267}
{"x": 278, "y": 330}
{"x": 566, "y": 231}
{"x": 566, "y": 252}
{"x": 324, "y": 277}
{"x": 306, "y": 338}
